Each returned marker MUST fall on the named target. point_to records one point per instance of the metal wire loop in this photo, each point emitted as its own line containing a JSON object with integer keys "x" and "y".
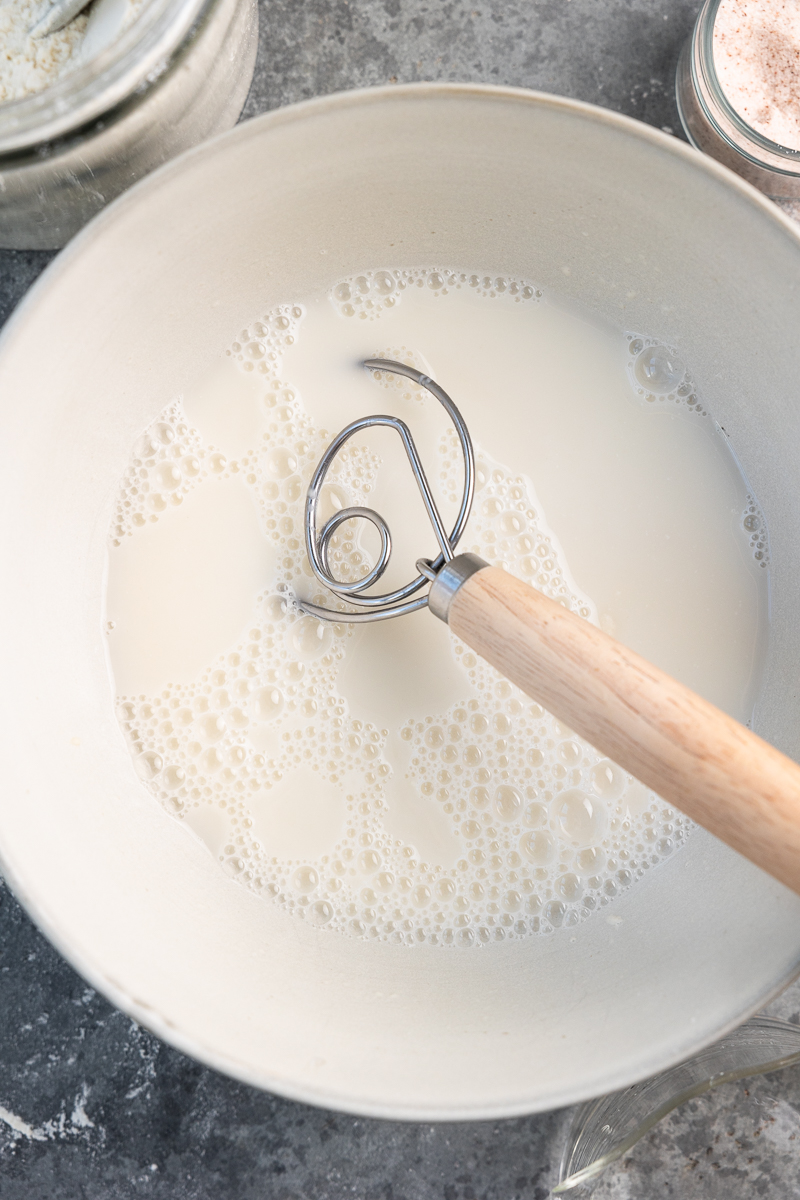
{"x": 318, "y": 541}
{"x": 329, "y": 529}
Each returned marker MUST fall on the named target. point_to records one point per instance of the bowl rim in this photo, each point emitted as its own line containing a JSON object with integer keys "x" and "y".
{"x": 158, "y": 1022}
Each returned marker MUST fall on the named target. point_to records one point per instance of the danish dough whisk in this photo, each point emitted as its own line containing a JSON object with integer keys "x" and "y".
{"x": 696, "y": 757}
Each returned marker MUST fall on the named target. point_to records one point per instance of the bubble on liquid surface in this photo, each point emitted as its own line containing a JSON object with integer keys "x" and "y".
{"x": 305, "y": 880}
{"x": 280, "y": 462}
{"x": 148, "y": 764}
{"x": 539, "y": 848}
{"x": 320, "y": 913}
{"x": 660, "y": 376}
{"x": 310, "y": 638}
{"x": 755, "y": 529}
{"x": 607, "y": 779}
{"x": 581, "y": 818}
{"x": 544, "y": 830}
{"x": 659, "y": 370}
{"x": 507, "y": 802}
{"x": 267, "y": 704}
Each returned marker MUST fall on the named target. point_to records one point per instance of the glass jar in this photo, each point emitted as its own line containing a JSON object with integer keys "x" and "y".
{"x": 715, "y": 127}
{"x": 604, "y": 1130}
{"x": 177, "y": 75}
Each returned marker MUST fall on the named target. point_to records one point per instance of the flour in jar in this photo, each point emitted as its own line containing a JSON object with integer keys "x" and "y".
{"x": 382, "y": 781}
{"x": 30, "y": 64}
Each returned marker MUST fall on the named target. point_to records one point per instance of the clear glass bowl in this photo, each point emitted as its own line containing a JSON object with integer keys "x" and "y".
{"x": 179, "y": 74}
{"x": 712, "y": 125}
{"x": 605, "y": 1129}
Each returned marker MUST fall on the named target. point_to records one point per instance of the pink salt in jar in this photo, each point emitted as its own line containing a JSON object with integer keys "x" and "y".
{"x": 738, "y": 90}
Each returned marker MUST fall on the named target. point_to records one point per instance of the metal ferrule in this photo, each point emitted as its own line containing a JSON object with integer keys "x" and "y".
{"x": 449, "y": 580}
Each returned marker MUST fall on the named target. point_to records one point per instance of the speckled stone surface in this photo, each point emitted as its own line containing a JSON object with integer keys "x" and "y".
{"x": 94, "y": 1108}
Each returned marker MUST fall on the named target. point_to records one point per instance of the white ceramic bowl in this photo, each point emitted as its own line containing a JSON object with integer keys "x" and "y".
{"x": 630, "y": 224}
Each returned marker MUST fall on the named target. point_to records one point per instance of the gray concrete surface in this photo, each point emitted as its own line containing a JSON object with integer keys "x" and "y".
{"x": 94, "y": 1108}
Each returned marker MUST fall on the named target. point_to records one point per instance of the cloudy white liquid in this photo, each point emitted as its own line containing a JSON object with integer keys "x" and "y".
{"x": 383, "y": 781}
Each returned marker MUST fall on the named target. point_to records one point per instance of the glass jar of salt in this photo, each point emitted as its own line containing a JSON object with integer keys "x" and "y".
{"x": 87, "y": 110}
{"x": 738, "y": 90}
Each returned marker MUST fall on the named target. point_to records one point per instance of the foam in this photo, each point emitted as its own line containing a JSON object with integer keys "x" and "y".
{"x": 472, "y": 819}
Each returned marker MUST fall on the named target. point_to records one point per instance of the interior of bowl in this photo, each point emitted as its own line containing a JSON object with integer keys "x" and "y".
{"x": 635, "y": 229}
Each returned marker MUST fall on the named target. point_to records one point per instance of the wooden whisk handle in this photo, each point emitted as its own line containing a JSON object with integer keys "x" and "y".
{"x": 693, "y": 755}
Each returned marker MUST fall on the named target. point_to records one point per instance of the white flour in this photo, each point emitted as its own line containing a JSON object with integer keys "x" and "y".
{"x": 29, "y": 65}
